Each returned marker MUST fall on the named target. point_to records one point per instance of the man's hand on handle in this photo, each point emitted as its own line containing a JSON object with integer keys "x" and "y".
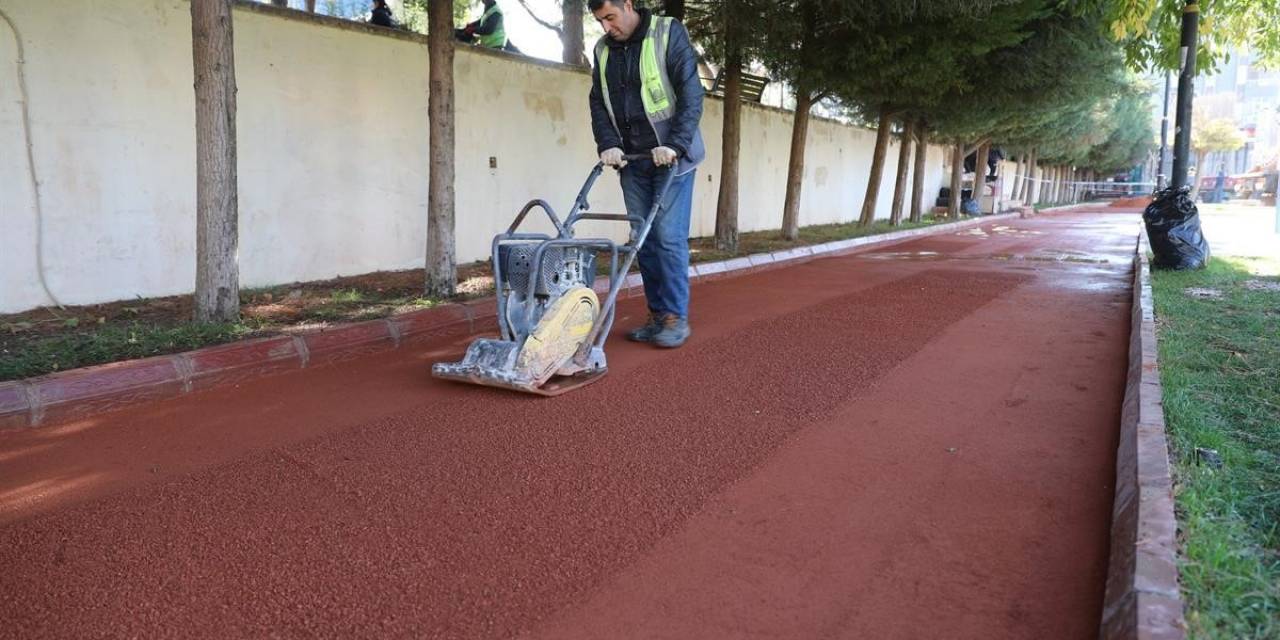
{"x": 664, "y": 156}
{"x": 613, "y": 158}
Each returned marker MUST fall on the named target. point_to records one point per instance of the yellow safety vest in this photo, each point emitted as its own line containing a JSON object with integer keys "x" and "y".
{"x": 655, "y": 85}
{"x": 497, "y": 39}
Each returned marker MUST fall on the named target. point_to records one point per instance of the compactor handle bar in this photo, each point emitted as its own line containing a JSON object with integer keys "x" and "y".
{"x": 564, "y": 237}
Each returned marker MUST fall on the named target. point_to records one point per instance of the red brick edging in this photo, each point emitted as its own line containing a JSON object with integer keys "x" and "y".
{"x": 77, "y": 393}
{"x": 1142, "y": 598}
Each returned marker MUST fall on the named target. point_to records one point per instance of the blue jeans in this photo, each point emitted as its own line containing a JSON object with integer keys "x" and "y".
{"x": 664, "y": 258}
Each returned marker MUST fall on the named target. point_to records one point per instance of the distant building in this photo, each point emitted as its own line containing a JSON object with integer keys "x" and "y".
{"x": 1250, "y": 96}
{"x": 1239, "y": 91}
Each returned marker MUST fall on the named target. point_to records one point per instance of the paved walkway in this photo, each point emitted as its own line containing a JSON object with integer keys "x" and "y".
{"x": 1239, "y": 229}
{"x": 917, "y": 441}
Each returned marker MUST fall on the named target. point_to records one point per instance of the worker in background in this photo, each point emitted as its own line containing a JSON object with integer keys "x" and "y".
{"x": 646, "y": 98}
{"x": 382, "y": 15}
{"x": 488, "y": 31}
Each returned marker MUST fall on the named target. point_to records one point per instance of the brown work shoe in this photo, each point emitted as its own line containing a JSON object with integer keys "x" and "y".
{"x": 650, "y": 329}
{"x": 675, "y": 330}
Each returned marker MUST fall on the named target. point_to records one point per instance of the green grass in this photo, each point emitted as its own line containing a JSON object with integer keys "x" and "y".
{"x": 1220, "y": 367}
{"x": 353, "y": 305}
{"x": 703, "y": 249}
{"x": 110, "y": 343}
{"x": 82, "y": 344}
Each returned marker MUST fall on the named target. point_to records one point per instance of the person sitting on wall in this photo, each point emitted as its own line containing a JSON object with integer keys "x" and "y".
{"x": 382, "y": 15}
{"x": 488, "y": 31}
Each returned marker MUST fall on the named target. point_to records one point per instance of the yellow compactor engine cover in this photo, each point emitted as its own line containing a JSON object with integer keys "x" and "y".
{"x": 558, "y": 334}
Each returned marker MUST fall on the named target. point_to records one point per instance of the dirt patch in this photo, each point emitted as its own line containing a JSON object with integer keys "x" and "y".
{"x": 1139, "y": 201}
{"x": 1262, "y": 285}
{"x": 1204, "y": 293}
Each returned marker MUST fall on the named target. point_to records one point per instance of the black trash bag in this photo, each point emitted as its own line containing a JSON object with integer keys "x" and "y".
{"x": 1173, "y": 226}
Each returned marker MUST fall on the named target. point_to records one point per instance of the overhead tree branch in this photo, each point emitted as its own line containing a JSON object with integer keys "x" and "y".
{"x": 974, "y": 147}
{"x": 559, "y": 29}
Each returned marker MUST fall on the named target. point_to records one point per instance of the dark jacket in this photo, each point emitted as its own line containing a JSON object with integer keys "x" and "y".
{"x": 382, "y": 17}
{"x": 634, "y": 134}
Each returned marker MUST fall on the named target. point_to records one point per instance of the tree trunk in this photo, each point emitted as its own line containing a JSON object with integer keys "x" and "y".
{"x": 274, "y": 3}
{"x": 980, "y": 170}
{"x": 573, "y": 53}
{"x": 917, "y": 176}
{"x": 674, "y": 9}
{"x": 795, "y": 167}
{"x": 1041, "y": 186}
{"x": 877, "y": 168}
{"x": 1018, "y": 171}
{"x": 1030, "y": 196}
{"x": 441, "y": 269}
{"x": 1029, "y": 182}
{"x": 957, "y": 180}
{"x": 311, "y": 6}
{"x": 217, "y": 296}
{"x": 727, "y": 205}
{"x": 900, "y": 183}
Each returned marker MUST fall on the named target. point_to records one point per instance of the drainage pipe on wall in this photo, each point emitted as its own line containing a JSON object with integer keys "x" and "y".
{"x": 31, "y": 161}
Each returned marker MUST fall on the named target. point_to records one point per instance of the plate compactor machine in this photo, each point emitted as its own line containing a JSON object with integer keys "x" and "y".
{"x": 553, "y": 325}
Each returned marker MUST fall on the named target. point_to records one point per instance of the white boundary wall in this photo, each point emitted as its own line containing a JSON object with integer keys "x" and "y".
{"x": 332, "y": 151}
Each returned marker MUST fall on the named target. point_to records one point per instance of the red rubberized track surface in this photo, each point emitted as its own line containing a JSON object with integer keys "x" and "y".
{"x": 912, "y": 442}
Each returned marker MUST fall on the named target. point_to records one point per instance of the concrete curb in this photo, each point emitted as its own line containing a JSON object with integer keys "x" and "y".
{"x": 1067, "y": 207}
{"x": 1142, "y": 598}
{"x": 77, "y": 393}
